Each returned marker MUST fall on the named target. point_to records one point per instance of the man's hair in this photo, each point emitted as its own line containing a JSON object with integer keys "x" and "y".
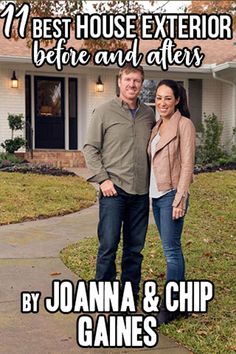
{"x": 128, "y": 68}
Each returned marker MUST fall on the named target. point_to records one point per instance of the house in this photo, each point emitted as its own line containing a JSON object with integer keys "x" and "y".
{"x": 57, "y": 105}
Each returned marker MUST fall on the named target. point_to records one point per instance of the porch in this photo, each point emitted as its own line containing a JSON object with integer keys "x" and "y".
{"x": 55, "y": 158}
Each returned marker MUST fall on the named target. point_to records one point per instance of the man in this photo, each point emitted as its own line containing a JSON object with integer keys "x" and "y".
{"x": 116, "y": 153}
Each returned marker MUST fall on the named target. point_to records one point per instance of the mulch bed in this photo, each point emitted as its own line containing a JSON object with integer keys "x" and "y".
{"x": 210, "y": 168}
{"x": 38, "y": 169}
{"x": 54, "y": 171}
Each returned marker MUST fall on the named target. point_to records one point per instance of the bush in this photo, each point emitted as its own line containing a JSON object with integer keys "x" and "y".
{"x": 233, "y": 149}
{"x": 12, "y": 145}
{"x": 210, "y": 149}
{"x": 7, "y": 159}
{"x": 16, "y": 122}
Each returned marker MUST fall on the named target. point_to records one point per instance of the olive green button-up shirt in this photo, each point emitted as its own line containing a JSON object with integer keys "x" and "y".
{"x": 116, "y": 145}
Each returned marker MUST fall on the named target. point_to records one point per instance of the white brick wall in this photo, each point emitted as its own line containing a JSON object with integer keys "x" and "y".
{"x": 217, "y": 97}
{"x": 211, "y": 97}
{"x": 227, "y": 114}
{"x": 12, "y": 100}
{"x": 96, "y": 98}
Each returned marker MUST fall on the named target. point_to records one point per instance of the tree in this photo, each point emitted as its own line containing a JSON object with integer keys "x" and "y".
{"x": 217, "y": 7}
{"x": 114, "y": 7}
{"x": 210, "y": 149}
{"x": 69, "y": 8}
{"x": 120, "y": 7}
{"x": 42, "y": 8}
{"x": 16, "y": 122}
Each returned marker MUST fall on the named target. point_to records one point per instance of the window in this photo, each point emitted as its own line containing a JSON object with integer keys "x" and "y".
{"x": 195, "y": 101}
{"x": 49, "y": 98}
{"x": 148, "y": 93}
{"x": 73, "y": 107}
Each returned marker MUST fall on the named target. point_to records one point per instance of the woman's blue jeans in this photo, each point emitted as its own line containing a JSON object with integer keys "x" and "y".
{"x": 130, "y": 212}
{"x": 170, "y": 233}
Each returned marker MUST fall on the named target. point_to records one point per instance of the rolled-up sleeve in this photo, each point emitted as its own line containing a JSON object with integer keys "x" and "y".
{"x": 187, "y": 156}
{"x": 92, "y": 149}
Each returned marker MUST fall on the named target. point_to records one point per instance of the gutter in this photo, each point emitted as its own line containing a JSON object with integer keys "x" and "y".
{"x": 12, "y": 59}
{"x": 223, "y": 66}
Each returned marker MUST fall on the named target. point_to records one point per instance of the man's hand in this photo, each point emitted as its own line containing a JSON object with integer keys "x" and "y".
{"x": 108, "y": 189}
{"x": 177, "y": 213}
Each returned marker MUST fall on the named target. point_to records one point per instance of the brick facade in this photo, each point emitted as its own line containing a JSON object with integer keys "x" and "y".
{"x": 56, "y": 158}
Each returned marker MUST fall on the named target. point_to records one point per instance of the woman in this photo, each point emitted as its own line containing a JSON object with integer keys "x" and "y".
{"x": 172, "y": 153}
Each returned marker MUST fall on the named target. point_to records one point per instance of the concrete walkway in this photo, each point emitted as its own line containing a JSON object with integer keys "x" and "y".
{"x": 29, "y": 261}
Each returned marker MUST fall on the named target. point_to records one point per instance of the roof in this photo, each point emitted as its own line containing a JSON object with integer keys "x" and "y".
{"x": 216, "y": 51}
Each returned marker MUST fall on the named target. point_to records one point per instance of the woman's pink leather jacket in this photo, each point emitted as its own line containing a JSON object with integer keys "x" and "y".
{"x": 173, "y": 161}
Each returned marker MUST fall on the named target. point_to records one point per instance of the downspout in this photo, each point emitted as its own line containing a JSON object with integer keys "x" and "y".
{"x": 234, "y": 97}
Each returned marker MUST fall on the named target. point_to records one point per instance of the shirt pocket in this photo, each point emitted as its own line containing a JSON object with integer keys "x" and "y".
{"x": 118, "y": 131}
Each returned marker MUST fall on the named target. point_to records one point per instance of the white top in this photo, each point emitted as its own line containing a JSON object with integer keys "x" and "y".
{"x": 153, "y": 190}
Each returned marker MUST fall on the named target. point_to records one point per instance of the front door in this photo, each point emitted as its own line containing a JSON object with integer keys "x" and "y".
{"x": 49, "y": 113}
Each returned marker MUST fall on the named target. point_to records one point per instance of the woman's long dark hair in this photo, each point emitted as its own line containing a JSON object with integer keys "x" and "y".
{"x": 179, "y": 92}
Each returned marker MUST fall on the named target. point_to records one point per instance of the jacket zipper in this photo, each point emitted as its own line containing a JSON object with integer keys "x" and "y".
{"x": 169, "y": 166}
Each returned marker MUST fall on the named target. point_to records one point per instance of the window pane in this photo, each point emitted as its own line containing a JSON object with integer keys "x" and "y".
{"x": 147, "y": 95}
{"x": 49, "y": 98}
{"x": 73, "y": 98}
{"x": 195, "y": 101}
{"x": 73, "y": 106}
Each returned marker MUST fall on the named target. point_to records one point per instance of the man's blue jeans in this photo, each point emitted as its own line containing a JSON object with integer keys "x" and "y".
{"x": 132, "y": 212}
{"x": 170, "y": 233}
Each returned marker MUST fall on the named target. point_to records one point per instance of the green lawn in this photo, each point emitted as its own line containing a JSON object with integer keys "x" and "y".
{"x": 209, "y": 247}
{"x": 31, "y": 196}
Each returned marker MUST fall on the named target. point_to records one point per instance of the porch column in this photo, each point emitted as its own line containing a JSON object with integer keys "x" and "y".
{"x": 82, "y": 110}
{"x": 33, "y": 109}
{"x": 66, "y": 113}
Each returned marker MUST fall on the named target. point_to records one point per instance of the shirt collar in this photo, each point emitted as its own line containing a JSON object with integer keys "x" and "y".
{"x": 122, "y": 103}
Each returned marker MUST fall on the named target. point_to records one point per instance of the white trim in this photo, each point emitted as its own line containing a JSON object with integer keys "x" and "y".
{"x": 232, "y": 83}
{"x": 82, "y": 110}
{"x": 205, "y": 68}
{"x": 227, "y": 65}
{"x": 66, "y": 109}
{"x": 32, "y": 108}
{"x": 66, "y": 105}
{"x": 78, "y": 111}
{"x": 48, "y": 73}
{"x": 14, "y": 59}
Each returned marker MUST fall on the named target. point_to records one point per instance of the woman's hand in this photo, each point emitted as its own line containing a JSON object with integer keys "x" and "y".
{"x": 177, "y": 213}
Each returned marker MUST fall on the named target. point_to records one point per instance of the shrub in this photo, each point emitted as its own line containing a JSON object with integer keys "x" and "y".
{"x": 7, "y": 159}
{"x": 233, "y": 149}
{"x": 12, "y": 145}
{"x": 16, "y": 122}
{"x": 210, "y": 149}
